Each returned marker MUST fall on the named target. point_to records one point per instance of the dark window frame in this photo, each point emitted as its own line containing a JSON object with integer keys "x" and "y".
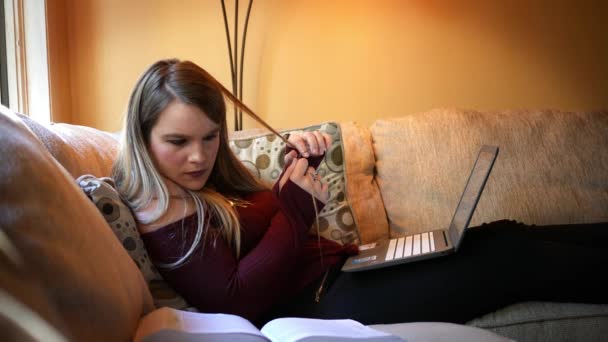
{"x": 4, "y": 94}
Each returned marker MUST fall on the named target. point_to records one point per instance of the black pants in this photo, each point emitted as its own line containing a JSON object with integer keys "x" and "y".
{"x": 498, "y": 264}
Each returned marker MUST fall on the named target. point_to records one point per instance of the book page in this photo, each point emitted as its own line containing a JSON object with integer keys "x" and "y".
{"x": 176, "y": 325}
{"x": 305, "y": 329}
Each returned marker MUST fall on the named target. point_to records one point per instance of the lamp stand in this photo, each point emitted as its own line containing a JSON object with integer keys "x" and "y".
{"x": 236, "y": 70}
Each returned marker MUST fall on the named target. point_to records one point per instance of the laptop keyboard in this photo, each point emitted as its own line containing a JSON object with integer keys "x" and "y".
{"x": 410, "y": 246}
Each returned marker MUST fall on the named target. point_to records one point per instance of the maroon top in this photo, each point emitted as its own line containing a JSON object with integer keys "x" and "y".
{"x": 278, "y": 255}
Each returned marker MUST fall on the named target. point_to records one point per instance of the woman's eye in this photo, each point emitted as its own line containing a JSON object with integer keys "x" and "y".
{"x": 177, "y": 142}
{"x": 210, "y": 137}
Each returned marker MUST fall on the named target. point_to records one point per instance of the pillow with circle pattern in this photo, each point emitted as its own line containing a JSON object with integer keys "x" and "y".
{"x": 263, "y": 153}
{"x": 119, "y": 217}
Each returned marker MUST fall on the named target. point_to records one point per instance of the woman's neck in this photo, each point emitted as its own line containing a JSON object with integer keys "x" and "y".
{"x": 180, "y": 204}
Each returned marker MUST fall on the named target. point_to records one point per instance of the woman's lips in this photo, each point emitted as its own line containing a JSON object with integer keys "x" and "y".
{"x": 195, "y": 174}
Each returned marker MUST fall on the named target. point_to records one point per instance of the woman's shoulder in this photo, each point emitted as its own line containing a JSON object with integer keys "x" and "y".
{"x": 183, "y": 206}
{"x": 179, "y": 207}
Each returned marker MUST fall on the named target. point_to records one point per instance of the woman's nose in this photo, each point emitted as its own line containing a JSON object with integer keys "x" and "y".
{"x": 197, "y": 154}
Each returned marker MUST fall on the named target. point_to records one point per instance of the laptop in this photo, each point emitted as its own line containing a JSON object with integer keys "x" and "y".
{"x": 432, "y": 243}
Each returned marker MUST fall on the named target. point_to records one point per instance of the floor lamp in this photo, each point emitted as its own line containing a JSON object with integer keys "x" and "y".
{"x": 236, "y": 70}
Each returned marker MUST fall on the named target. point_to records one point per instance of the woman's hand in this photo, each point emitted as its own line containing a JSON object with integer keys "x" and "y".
{"x": 307, "y": 144}
{"x": 306, "y": 178}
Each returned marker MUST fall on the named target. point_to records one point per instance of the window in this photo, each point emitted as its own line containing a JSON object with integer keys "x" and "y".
{"x": 26, "y": 61}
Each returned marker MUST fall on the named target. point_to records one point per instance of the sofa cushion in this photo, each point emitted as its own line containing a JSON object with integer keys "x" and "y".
{"x": 79, "y": 149}
{"x": 439, "y": 332}
{"x": 547, "y": 321}
{"x": 70, "y": 268}
{"x": 551, "y": 168}
{"x": 263, "y": 154}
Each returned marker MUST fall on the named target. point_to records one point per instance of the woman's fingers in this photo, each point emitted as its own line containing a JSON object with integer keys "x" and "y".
{"x": 288, "y": 172}
{"x": 313, "y": 143}
{"x": 306, "y": 178}
{"x": 324, "y": 193}
{"x": 289, "y": 157}
{"x": 323, "y": 145}
{"x": 300, "y": 170}
{"x": 299, "y": 143}
{"x": 328, "y": 140}
{"x": 319, "y": 189}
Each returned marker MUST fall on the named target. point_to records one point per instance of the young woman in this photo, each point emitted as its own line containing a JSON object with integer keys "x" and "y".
{"x": 227, "y": 244}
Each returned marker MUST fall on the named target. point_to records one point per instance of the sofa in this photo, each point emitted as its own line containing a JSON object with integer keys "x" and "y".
{"x": 62, "y": 263}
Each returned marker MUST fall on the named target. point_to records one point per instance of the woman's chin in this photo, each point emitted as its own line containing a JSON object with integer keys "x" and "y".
{"x": 194, "y": 185}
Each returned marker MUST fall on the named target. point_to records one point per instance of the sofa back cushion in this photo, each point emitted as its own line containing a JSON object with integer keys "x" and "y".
{"x": 79, "y": 149}
{"x": 551, "y": 167}
{"x": 67, "y": 265}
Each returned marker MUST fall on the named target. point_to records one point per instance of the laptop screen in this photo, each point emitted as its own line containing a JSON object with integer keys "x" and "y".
{"x": 472, "y": 192}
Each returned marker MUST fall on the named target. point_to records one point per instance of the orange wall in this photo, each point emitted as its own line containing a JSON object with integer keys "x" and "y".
{"x": 362, "y": 60}
{"x": 309, "y": 61}
{"x": 59, "y": 67}
{"x": 111, "y": 42}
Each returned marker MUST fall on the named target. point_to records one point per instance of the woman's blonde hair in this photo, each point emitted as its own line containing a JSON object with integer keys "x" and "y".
{"x": 135, "y": 174}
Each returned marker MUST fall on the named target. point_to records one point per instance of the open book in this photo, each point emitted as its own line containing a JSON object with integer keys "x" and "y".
{"x": 167, "y": 324}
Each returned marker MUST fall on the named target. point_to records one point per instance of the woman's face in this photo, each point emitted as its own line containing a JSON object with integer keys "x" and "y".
{"x": 183, "y": 145}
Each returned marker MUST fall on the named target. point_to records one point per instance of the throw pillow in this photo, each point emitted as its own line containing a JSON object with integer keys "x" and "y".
{"x": 120, "y": 219}
{"x": 263, "y": 153}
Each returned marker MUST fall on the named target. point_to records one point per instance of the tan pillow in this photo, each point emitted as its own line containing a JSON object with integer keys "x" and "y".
{"x": 363, "y": 193}
{"x": 82, "y": 279}
{"x": 551, "y": 167}
{"x": 263, "y": 154}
